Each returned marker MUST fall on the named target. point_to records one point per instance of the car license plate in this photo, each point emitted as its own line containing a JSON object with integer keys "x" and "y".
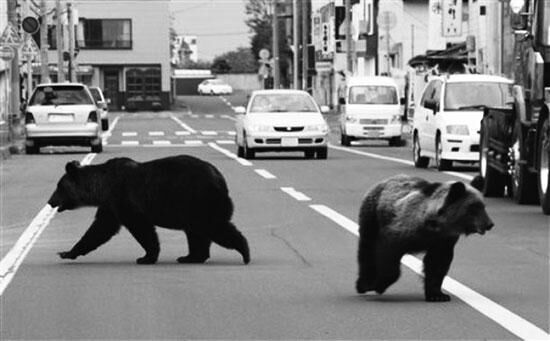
{"x": 372, "y": 133}
{"x": 289, "y": 142}
{"x": 60, "y": 117}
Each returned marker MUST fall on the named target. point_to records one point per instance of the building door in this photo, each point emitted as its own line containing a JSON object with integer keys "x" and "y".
{"x": 111, "y": 89}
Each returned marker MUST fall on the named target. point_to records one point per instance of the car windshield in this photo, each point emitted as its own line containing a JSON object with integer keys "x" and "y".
{"x": 216, "y": 82}
{"x": 470, "y": 95}
{"x": 61, "y": 95}
{"x": 372, "y": 94}
{"x": 282, "y": 103}
{"x": 96, "y": 94}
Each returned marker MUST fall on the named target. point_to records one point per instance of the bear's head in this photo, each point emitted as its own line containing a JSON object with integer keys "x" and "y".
{"x": 67, "y": 195}
{"x": 459, "y": 209}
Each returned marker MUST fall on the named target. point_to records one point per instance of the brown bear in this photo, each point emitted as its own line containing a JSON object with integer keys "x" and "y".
{"x": 406, "y": 214}
{"x": 178, "y": 192}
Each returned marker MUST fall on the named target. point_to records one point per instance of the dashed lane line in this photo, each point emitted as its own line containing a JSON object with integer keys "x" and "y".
{"x": 295, "y": 194}
{"x": 265, "y": 174}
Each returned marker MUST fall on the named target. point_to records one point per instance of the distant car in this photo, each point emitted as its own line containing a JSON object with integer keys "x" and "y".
{"x": 62, "y": 114}
{"x": 281, "y": 120}
{"x": 101, "y": 105}
{"x": 448, "y": 113}
{"x": 214, "y": 87}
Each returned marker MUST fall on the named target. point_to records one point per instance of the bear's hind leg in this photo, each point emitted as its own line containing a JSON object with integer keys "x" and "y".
{"x": 367, "y": 265}
{"x": 227, "y": 235}
{"x": 437, "y": 262}
{"x": 104, "y": 226}
{"x": 147, "y": 237}
{"x": 388, "y": 266}
{"x": 199, "y": 248}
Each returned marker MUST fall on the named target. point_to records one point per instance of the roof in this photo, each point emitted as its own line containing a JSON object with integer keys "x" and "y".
{"x": 279, "y": 91}
{"x": 60, "y": 84}
{"x": 476, "y": 77}
{"x": 374, "y": 80}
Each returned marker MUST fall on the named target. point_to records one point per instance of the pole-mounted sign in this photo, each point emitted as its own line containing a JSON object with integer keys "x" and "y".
{"x": 30, "y": 25}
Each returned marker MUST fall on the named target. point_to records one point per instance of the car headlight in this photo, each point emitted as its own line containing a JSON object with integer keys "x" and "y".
{"x": 258, "y": 128}
{"x": 323, "y": 128}
{"x": 458, "y": 129}
{"x": 351, "y": 119}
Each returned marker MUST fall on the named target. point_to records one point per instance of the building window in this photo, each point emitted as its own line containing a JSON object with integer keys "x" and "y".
{"x": 143, "y": 84}
{"x": 105, "y": 33}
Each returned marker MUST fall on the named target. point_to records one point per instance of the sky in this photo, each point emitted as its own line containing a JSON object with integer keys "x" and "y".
{"x": 218, "y": 24}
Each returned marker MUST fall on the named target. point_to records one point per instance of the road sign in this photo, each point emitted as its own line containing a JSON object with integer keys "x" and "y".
{"x": 29, "y": 50}
{"x": 452, "y": 18}
{"x": 30, "y": 25}
{"x": 10, "y": 36}
{"x": 6, "y": 53}
{"x": 264, "y": 54}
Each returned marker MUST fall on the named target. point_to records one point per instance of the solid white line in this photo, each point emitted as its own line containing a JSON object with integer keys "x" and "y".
{"x": 265, "y": 174}
{"x": 183, "y": 125}
{"x": 13, "y": 259}
{"x": 295, "y": 194}
{"x": 227, "y": 153}
{"x": 504, "y": 317}
{"x": 393, "y": 159}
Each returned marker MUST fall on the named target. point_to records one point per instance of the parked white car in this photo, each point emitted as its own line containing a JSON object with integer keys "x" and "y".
{"x": 448, "y": 113}
{"x": 62, "y": 114}
{"x": 281, "y": 120}
{"x": 214, "y": 87}
{"x": 371, "y": 111}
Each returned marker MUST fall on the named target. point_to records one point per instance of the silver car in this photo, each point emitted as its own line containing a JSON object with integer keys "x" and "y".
{"x": 62, "y": 114}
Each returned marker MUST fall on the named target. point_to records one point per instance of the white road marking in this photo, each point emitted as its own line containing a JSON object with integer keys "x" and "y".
{"x": 13, "y": 259}
{"x": 129, "y": 133}
{"x": 209, "y": 116}
{"x": 183, "y": 133}
{"x": 156, "y": 133}
{"x": 265, "y": 174}
{"x": 193, "y": 142}
{"x": 162, "y": 142}
{"x": 295, "y": 194}
{"x": 227, "y": 153}
{"x": 209, "y": 133}
{"x": 504, "y": 317}
{"x": 183, "y": 125}
{"x": 229, "y": 117}
{"x": 231, "y": 132}
{"x": 129, "y": 143}
{"x": 225, "y": 142}
{"x": 109, "y": 132}
{"x": 394, "y": 159}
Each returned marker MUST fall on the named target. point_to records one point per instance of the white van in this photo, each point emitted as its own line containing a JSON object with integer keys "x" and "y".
{"x": 371, "y": 110}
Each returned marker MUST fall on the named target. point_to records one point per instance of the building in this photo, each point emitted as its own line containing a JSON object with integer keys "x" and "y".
{"x": 124, "y": 48}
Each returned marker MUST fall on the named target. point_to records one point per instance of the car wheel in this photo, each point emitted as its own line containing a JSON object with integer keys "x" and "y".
{"x": 248, "y": 153}
{"x": 441, "y": 164}
{"x": 98, "y": 148}
{"x": 345, "y": 140}
{"x": 544, "y": 165}
{"x": 322, "y": 153}
{"x": 419, "y": 161}
{"x": 240, "y": 151}
{"x": 34, "y": 149}
{"x": 105, "y": 124}
{"x": 395, "y": 141}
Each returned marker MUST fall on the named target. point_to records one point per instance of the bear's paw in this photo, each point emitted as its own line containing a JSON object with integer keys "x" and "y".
{"x": 67, "y": 255}
{"x": 437, "y": 297}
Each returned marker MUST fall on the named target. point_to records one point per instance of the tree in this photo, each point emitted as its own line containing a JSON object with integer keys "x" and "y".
{"x": 240, "y": 60}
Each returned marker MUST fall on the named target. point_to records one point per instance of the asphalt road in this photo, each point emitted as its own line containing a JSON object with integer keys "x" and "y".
{"x": 299, "y": 217}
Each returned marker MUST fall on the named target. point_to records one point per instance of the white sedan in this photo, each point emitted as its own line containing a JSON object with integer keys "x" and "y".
{"x": 281, "y": 120}
{"x": 214, "y": 87}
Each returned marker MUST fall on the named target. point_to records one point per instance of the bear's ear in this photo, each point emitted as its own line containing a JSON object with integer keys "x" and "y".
{"x": 72, "y": 167}
{"x": 456, "y": 191}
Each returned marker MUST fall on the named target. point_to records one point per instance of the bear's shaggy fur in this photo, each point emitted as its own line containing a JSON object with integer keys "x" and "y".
{"x": 179, "y": 192}
{"x": 409, "y": 215}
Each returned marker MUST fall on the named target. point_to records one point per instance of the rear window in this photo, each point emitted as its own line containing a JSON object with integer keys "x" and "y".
{"x": 96, "y": 94}
{"x": 61, "y": 95}
{"x": 372, "y": 94}
{"x": 470, "y": 95}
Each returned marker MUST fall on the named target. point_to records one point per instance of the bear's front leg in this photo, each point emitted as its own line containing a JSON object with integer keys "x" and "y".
{"x": 147, "y": 237}
{"x": 437, "y": 262}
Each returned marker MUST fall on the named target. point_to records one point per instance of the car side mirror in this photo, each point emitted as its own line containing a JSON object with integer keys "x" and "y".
{"x": 240, "y": 110}
{"x": 432, "y": 104}
{"x": 23, "y": 107}
{"x": 402, "y": 101}
{"x": 324, "y": 109}
{"x": 341, "y": 101}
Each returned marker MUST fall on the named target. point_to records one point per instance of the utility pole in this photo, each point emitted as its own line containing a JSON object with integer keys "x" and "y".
{"x": 349, "y": 57}
{"x": 275, "y": 27}
{"x": 295, "y": 42}
{"x": 72, "y": 72}
{"x": 12, "y": 88}
{"x": 44, "y": 72}
{"x": 59, "y": 42}
{"x": 306, "y": 8}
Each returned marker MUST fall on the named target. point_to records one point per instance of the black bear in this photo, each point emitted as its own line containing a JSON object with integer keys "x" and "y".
{"x": 179, "y": 192}
{"x": 406, "y": 214}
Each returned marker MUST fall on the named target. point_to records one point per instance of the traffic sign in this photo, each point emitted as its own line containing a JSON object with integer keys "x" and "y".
{"x": 30, "y": 25}
{"x": 29, "y": 50}
{"x": 10, "y": 36}
{"x": 6, "y": 53}
{"x": 264, "y": 54}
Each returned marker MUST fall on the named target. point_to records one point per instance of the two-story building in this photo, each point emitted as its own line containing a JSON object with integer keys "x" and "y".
{"x": 124, "y": 48}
